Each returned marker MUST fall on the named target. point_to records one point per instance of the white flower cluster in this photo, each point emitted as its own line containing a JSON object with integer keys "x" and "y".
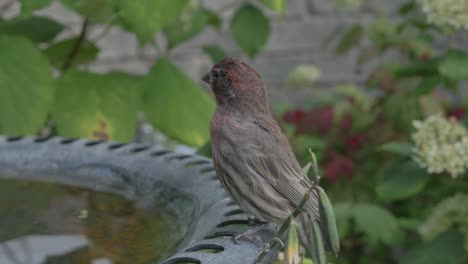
{"x": 441, "y": 145}
{"x": 451, "y": 212}
{"x": 446, "y": 12}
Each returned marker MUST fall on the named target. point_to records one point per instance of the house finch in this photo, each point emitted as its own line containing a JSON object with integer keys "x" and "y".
{"x": 251, "y": 155}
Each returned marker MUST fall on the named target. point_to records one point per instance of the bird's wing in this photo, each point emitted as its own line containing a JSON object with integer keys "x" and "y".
{"x": 270, "y": 156}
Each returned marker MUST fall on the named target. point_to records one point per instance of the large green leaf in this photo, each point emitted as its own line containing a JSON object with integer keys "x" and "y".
{"x": 26, "y": 87}
{"x": 401, "y": 179}
{"x": 376, "y": 222}
{"x": 401, "y": 148}
{"x": 96, "y": 106}
{"x": 148, "y": 17}
{"x": 250, "y": 29}
{"x": 37, "y": 29}
{"x": 427, "y": 85}
{"x": 276, "y": 5}
{"x": 58, "y": 53}
{"x": 94, "y": 10}
{"x": 454, "y": 65}
{"x": 28, "y": 6}
{"x": 176, "y": 105}
{"x": 343, "y": 215}
{"x": 188, "y": 25}
{"x": 447, "y": 248}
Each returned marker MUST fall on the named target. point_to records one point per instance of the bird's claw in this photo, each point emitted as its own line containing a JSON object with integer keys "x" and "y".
{"x": 247, "y": 236}
{"x": 279, "y": 241}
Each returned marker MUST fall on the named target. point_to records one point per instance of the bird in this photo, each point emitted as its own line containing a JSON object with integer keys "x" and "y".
{"x": 251, "y": 155}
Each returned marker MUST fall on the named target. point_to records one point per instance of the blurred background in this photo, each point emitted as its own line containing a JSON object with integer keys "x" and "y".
{"x": 377, "y": 89}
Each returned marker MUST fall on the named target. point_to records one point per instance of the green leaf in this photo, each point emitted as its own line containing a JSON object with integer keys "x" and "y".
{"x": 205, "y": 150}
{"x": 28, "y": 6}
{"x": 427, "y": 85}
{"x": 147, "y": 17}
{"x": 176, "y": 105}
{"x": 250, "y": 29}
{"x": 407, "y": 8}
{"x": 94, "y": 10}
{"x": 96, "y": 106}
{"x": 376, "y": 222}
{"x": 37, "y": 29}
{"x": 427, "y": 68}
{"x": 216, "y": 53}
{"x": 186, "y": 27}
{"x": 410, "y": 223}
{"x": 276, "y": 5}
{"x": 212, "y": 18}
{"x": 59, "y": 52}
{"x": 343, "y": 215}
{"x": 454, "y": 65}
{"x": 447, "y": 248}
{"x": 26, "y": 87}
{"x": 400, "y": 180}
{"x": 401, "y": 148}
{"x": 350, "y": 39}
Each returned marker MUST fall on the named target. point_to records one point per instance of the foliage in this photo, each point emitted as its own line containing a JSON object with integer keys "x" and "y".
{"x": 60, "y": 95}
{"x": 26, "y": 86}
{"x": 383, "y": 145}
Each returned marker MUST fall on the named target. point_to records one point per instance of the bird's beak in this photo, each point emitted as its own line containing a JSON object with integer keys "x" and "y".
{"x": 206, "y": 78}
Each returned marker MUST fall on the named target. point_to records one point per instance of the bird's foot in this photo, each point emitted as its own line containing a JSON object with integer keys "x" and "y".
{"x": 267, "y": 247}
{"x": 279, "y": 241}
{"x": 253, "y": 238}
{"x": 249, "y": 235}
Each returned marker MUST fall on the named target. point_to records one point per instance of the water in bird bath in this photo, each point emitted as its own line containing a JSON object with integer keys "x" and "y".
{"x": 48, "y": 223}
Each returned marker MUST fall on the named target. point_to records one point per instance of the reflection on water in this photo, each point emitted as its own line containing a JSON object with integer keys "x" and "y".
{"x": 46, "y": 223}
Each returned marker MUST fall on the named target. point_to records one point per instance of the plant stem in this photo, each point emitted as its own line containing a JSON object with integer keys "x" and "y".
{"x": 76, "y": 47}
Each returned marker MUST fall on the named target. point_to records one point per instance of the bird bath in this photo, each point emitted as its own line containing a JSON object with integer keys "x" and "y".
{"x": 80, "y": 201}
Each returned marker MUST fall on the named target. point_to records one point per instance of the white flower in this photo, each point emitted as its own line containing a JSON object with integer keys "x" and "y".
{"x": 446, "y": 12}
{"x": 441, "y": 145}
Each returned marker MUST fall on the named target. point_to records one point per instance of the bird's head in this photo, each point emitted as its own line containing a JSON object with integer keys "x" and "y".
{"x": 233, "y": 81}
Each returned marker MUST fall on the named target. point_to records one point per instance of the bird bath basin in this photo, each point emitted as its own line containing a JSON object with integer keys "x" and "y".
{"x": 80, "y": 201}
{"x": 87, "y": 224}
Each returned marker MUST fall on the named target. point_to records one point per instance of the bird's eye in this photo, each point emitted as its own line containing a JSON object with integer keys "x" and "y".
{"x": 215, "y": 75}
